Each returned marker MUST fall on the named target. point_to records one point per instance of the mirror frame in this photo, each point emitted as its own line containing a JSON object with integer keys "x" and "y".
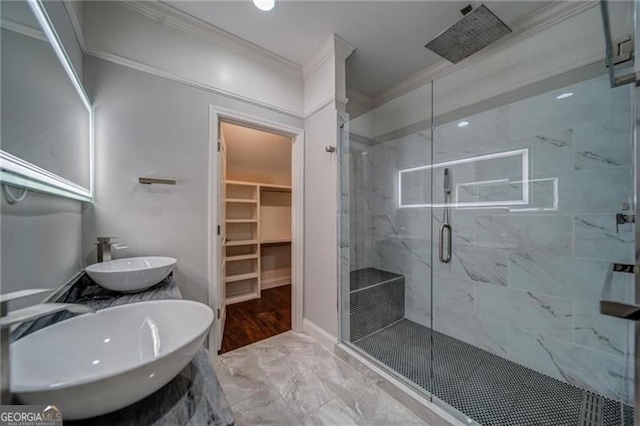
{"x": 17, "y": 172}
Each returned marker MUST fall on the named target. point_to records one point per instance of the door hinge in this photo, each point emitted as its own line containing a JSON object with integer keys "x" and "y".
{"x": 218, "y": 313}
{"x": 218, "y": 229}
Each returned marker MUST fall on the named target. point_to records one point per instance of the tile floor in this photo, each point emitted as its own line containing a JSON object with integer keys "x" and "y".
{"x": 289, "y": 379}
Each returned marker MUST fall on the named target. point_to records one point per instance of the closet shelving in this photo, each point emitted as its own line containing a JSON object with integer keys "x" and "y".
{"x": 258, "y": 238}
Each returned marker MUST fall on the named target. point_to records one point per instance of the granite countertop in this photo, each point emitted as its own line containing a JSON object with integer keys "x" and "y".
{"x": 193, "y": 397}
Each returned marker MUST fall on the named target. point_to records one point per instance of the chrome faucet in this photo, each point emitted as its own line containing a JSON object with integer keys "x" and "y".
{"x": 104, "y": 248}
{"x": 19, "y": 316}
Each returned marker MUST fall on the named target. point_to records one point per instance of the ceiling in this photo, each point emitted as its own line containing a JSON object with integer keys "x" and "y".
{"x": 257, "y": 156}
{"x": 389, "y": 35}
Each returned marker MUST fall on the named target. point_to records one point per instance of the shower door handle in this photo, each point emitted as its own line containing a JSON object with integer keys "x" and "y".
{"x": 445, "y": 229}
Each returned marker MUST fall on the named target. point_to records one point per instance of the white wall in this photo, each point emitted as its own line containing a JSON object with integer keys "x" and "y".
{"x": 320, "y": 229}
{"x": 41, "y": 242}
{"x": 325, "y": 89}
{"x": 192, "y": 53}
{"x": 150, "y": 126}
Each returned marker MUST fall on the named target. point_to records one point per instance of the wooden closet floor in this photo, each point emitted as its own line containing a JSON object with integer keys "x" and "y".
{"x": 254, "y": 320}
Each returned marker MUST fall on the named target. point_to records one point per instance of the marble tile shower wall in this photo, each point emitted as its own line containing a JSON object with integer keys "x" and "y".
{"x": 359, "y": 195}
{"x": 524, "y": 281}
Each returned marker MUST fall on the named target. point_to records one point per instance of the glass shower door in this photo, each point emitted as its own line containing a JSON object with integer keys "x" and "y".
{"x": 533, "y": 208}
{"x": 386, "y": 252}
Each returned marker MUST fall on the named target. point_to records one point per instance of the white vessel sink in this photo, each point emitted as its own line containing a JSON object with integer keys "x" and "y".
{"x": 97, "y": 363}
{"x": 131, "y": 274}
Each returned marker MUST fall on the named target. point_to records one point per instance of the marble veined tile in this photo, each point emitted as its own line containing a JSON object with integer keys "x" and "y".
{"x": 602, "y": 145}
{"x": 461, "y": 226}
{"x": 477, "y": 330}
{"x": 400, "y": 256}
{"x": 562, "y": 276}
{"x": 596, "y": 237}
{"x": 418, "y": 310}
{"x": 264, "y": 408}
{"x": 602, "y": 332}
{"x": 575, "y": 364}
{"x": 485, "y": 265}
{"x": 531, "y": 233}
{"x": 543, "y": 314}
{"x": 595, "y": 190}
{"x": 302, "y": 390}
{"x": 453, "y": 292}
{"x": 334, "y": 412}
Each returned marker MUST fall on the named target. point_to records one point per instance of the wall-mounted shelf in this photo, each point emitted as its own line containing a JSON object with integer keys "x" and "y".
{"x": 239, "y": 257}
{"x": 241, "y": 243}
{"x": 240, "y": 277}
{"x": 256, "y": 214}
{"x": 277, "y": 241}
{"x": 241, "y": 200}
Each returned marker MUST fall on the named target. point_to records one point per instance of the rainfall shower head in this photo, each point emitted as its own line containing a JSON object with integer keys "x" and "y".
{"x": 475, "y": 31}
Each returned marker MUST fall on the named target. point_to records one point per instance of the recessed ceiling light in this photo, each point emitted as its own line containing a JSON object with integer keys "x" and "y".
{"x": 564, "y": 95}
{"x": 463, "y": 124}
{"x": 265, "y": 5}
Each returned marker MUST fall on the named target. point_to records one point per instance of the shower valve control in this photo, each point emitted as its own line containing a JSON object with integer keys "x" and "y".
{"x": 622, "y": 218}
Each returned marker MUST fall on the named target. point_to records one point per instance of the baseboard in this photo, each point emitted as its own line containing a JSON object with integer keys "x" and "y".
{"x": 321, "y": 336}
{"x": 274, "y": 282}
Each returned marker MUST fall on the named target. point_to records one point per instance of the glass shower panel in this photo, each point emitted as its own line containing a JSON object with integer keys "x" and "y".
{"x": 536, "y": 189}
{"x": 386, "y": 248}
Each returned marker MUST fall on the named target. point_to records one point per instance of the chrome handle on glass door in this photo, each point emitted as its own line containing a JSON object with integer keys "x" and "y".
{"x": 445, "y": 228}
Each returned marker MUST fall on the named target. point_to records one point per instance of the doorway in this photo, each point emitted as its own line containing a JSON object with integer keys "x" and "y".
{"x": 256, "y": 222}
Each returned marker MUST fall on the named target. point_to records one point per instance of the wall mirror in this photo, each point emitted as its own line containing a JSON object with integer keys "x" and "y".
{"x": 47, "y": 124}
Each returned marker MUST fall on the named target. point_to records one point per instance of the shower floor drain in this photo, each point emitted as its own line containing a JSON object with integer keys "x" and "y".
{"x": 490, "y": 389}
{"x": 591, "y": 410}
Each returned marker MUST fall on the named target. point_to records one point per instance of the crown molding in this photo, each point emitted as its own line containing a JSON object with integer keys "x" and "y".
{"x": 183, "y": 21}
{"x": 523, "y": 28}
{"x": 343, "y": 47}
{"x": 19, "y": 28}
{"x": 334, "y": 45}
{"x": 138, "y": 66}
{"x": 328, "y": 101}
{"x": 75, "y": 23}
{"x": 359, "y": 98}
{"x": 322, "y": 55}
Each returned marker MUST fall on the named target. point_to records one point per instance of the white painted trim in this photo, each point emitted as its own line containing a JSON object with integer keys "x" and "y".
{"x": 169, "y": 15}
{"x": 274, "y": 282}
{"x": 75, "y": 23}
{"x": 528, "y": 26}
{"x": 19, "y": 28}
{"x": 321, "y": 56}
{"x": 297, "y": 212}
{"x": 359, "y": 98}
{"x": 18, "y": 172}
{"x": 138, "y": 66}
{"x": 342, "y": 47}
{"x": 320, "y": 106}
{"x": 321, "y": 336}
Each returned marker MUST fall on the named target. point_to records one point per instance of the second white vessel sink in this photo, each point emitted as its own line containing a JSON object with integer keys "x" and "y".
{"x": 131, "y": 274}
{"x": 97, "y": 363}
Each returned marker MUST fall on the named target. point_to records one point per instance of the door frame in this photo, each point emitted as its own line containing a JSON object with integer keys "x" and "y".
{"x": 216, "y": 115}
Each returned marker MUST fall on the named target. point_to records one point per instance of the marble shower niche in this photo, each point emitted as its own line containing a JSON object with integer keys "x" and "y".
{"x": 525, "y": 278}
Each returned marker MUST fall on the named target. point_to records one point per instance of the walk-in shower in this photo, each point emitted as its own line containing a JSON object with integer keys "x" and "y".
{"x": 477, "y": 235}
